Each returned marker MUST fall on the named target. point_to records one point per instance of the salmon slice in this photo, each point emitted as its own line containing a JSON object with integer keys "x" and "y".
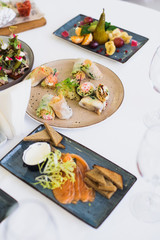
{"x": 81, "y": 163}
{"x": 87, "y": 194}
{"x": 65, "y": 194}
{"x": 71, "y": 192}
{"x": 77, "y": 184}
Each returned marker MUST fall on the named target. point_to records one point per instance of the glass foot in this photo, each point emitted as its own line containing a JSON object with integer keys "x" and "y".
{"x": 146, "y": 207}
{"x": 152, "y": 118}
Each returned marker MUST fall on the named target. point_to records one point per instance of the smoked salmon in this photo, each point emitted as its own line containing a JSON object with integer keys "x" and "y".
{"x": 65, "y": 193}
{"x": 71, "y": 192}
{"x": 87, "y": 193}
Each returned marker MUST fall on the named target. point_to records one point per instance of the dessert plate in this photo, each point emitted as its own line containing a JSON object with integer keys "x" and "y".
{"x": 121, "y": 55}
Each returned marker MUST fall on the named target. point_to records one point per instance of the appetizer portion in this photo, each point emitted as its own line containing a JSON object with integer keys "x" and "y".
{"x": 66, "y": 174}
{"x": 51, "y": 80}
{"x": 47, "y": 135}
{"x": 67, "y": 88}
{"x": 77, "y": 72}
{"x": 86, "y": 66}
{"x": 13, "y": 61}
{"x": 91, "y": 70}
{"x": 39, "y": 73}
{"x": 63, "y": 173}
{"x": 91, "y": 103}
{"x": 82, "y": 86}
{"x": 60, "y": 107}
{"x": 44, "y": 110}
{"x": 104, "y": 181}
{"x": 85, "y": 89}
{"x": 102, "y": 93}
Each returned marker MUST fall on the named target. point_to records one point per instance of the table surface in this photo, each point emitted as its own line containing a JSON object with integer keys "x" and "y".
{"x": 118, "y": 137}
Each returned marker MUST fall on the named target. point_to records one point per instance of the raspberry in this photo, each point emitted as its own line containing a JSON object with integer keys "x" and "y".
{"x": 134, "y": 43}
{"x": 65, "y": 34}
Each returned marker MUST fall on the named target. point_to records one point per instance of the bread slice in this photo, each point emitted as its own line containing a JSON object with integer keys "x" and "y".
{"x": 109, "y": 186}
{"x": 54, "y": 136}
{"x": 114, "y": 177}
{"x": 42, "y": 136}
{"x": 39, "y": 136}
{"x": 96, "y": 176}
{"x": 94, "y": 185}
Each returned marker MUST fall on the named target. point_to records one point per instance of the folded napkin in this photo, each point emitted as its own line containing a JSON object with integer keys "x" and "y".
{"x": 13, "y": 105}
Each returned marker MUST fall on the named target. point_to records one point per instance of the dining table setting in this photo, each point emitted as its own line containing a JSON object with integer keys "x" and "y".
{"x": 79, "y": 120}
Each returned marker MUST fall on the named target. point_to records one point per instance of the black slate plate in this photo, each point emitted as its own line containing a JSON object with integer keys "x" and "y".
{"x": 123, "y": 54}
{"x": 6, "y": 202}
{"x": 93, "y": 214}
{"x": 30, "y": 58}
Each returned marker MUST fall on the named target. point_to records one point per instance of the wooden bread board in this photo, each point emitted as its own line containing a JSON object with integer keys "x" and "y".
{"x": 24, "y": 26}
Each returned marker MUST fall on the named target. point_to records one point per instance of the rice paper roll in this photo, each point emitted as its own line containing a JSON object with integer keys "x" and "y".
{"x": 91, "y": 103}
{"x": 91, "y": 70}
{"x": 44, "y": 110}
{"x": 86, "y": 89}
{"x": 60, "y": 107}
{"x": 77, "y": 72}
{"x": 102, "y": 93}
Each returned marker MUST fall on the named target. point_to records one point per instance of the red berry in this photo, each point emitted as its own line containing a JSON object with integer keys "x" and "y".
{"x": 117, "y": 50}
{"x": 88, "y": 20}
{"x": 134, "y": 43}
{"x": 119, "y": 42}
{"x": 65, "y": 34}
{"x": 81, "y": 23}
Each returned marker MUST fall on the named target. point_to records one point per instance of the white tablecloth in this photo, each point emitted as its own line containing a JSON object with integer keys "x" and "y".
{"x": 118, "y": 137}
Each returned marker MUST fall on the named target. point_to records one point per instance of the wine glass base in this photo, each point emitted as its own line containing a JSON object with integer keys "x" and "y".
{"x": 146, "y": 207}
{"x": 152, "y": 118}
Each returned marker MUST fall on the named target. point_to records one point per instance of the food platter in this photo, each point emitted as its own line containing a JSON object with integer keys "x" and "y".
{"x": 91, "y": 213}
{"x": 81, "y": 117}
{"x": 122, "y": 55}
{"x": 29, "y": 57}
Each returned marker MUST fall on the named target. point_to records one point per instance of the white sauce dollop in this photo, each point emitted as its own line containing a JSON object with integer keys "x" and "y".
{"x": 36, "y": 153}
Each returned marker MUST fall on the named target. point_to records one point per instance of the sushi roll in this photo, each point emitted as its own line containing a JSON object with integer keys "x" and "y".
{"x": 44, "y": 110}
{"x": 91, "y": 70}
{"x": 102, "y": 93}
{"x": 91, "y": 103}
{"x": 51, "y": 80}
{"x": 85, "y": 89}
{"x": 60, "y": 107}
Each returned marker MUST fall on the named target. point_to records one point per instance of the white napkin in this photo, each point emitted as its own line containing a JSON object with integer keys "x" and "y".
{"x": 4, "y": 127}
{"x": 13, "y": 105}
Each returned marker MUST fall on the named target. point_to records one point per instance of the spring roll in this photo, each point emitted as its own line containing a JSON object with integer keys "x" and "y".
{"x": 102, "y": 93}
{"x": 91, "y": 103}
{"x": 51, "y": 80}
{"x": 91, "y": 70}
{"x": 60, "y": 107}
{"x": 77, "y": 72}
{"x": 44, "y": 110}
{"x": 39, "y": 73}
{"x": 85, "y": 89}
